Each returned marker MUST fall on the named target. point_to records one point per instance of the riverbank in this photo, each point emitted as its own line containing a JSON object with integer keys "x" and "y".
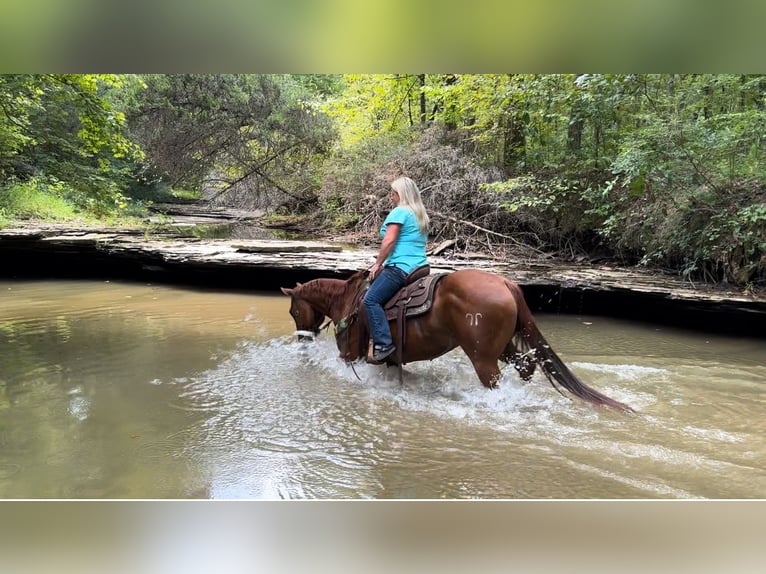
{"x": 62, "y": 250}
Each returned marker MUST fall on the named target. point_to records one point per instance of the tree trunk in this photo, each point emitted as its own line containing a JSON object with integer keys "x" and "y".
{"x": 423, "y": 113}
{"x": 574, "y": 134}
{"x": 449, "y": 110}
{"x": 514, "y": 145}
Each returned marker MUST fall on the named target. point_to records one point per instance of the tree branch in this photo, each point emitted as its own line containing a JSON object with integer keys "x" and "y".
{"x": 485, "y": 230}
{"x": 256, "y": 170}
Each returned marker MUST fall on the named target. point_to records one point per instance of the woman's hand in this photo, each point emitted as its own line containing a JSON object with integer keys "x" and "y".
{"x": 374, "y": 270}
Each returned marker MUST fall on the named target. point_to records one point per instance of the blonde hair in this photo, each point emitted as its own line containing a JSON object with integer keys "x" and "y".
{"x": 409, "y": 196}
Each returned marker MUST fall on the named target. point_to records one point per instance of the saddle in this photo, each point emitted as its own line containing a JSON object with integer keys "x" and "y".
{"x": 412, "y": 300}
{"x": 416, "y": 297}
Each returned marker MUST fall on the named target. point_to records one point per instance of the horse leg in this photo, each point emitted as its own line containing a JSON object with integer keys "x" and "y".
{"x": 487, "y": 370}
{"x": 524, "y": 363}
{"x": 484, "y": 347}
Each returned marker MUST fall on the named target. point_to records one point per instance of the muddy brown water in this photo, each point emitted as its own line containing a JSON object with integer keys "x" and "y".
{"x": 128, "y": 390}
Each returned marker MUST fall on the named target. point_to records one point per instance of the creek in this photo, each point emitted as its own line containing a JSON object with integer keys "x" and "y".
{"x": 114, "y": 389}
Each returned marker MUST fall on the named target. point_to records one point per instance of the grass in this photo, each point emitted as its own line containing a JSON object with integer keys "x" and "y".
{"x": 39, "y": 200}
{"x": 32, "y": 200}
{"x": 158, "y": 193}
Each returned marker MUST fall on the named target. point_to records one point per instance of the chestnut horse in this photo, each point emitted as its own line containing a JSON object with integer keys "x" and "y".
{"x": 478, "y": 311}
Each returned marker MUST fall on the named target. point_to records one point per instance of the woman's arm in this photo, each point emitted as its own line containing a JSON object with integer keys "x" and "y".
{"x": 386, "y": 247}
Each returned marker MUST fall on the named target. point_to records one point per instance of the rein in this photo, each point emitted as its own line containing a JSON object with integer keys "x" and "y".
{"x": 343, "y": 325}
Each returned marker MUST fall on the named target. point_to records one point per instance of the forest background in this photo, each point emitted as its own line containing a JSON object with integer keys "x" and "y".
{"x": 664, "y": 171}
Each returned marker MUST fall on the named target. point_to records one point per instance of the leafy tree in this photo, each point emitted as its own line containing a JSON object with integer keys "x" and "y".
{"x": 15, "y": 100}
{"x": 61, "y": 129}
{"x": 247, "y": 136}
{"x": 657, "y": 169}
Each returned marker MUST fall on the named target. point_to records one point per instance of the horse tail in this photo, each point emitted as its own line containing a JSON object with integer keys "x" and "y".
{"x": 558, "y": 374}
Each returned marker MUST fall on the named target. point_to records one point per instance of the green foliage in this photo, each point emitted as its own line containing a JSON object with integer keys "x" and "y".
{"x": 559, "y": 212}
{"x": 657, "y": 169}
{"x": 246, "y": 137}
{"x": 735, "y": 241}
{"x": 37, "y": 199}
{"x": 526, "y": 192}
{"x": 683, "y": 174}
{"x": 354, "y": 179}
{"x": 61, "y": 128}
{"x": 374, "y": 104}
{"x": 16, "y": 98}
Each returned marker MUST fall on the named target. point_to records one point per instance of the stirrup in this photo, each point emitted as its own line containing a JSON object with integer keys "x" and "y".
{"x": 380, "y": 354}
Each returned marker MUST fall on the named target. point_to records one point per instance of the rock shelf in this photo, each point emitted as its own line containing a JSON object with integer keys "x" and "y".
{"x": 550, "y": 286}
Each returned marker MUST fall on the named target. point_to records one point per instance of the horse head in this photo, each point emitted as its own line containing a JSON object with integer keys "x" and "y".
{"x": 338, "y": 299}
{"x": 308, "y": 320}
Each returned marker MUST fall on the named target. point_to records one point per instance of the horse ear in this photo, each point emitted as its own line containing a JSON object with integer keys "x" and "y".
{"x": 287, "y": 291}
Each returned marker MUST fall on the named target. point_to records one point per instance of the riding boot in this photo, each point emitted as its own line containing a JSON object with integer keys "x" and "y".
{"x": 377, "y": 354}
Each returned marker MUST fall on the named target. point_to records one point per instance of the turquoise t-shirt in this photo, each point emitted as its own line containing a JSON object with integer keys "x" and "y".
{"x": 410, "y": 250}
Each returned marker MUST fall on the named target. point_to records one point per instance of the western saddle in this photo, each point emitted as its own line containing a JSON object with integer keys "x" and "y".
{"x": 412, "y": 300}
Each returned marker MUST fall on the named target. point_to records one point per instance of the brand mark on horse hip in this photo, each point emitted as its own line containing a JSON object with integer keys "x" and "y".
{"x": 473, "y": 318}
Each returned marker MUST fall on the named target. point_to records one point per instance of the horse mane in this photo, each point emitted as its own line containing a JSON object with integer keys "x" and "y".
{"x": 353, "y": 287}
{"x": 355, "y": 278}
{"x": 331, "y": 296}
{"x": 356, "y": 286}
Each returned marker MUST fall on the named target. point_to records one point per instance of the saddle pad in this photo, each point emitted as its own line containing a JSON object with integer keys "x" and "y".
{"x": 417, "y": 297}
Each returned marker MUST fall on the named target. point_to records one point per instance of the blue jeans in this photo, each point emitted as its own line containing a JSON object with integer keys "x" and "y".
{"x": 386, "y": 284}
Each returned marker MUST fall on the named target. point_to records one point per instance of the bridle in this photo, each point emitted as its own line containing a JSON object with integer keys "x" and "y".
{"x": 312, "y": 334}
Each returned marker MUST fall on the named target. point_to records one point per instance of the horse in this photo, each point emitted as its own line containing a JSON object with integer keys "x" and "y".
{"x": 483, "y": 313}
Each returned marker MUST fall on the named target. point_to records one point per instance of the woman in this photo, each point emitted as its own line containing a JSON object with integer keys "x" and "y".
{"x": 403, "y": 249}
